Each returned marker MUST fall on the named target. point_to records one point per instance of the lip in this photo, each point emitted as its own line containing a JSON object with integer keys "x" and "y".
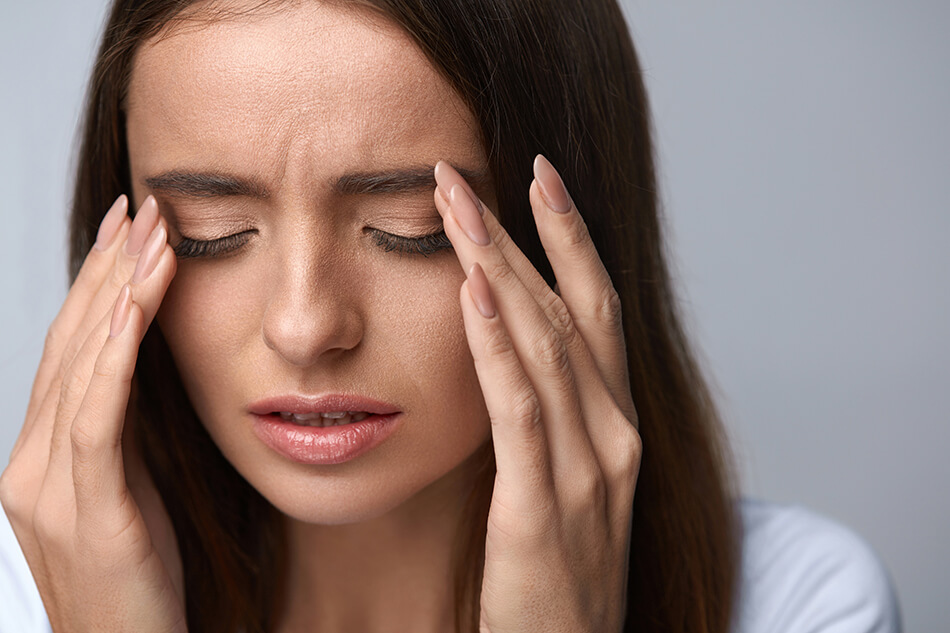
{"x": 301, "y": 404}
{"x": 323, "y": 445}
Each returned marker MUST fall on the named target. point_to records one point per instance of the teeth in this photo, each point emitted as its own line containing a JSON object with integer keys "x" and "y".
{"x": 329, "y": 418}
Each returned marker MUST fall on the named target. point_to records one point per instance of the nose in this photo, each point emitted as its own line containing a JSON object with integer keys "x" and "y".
{"x": 313, "y": 312}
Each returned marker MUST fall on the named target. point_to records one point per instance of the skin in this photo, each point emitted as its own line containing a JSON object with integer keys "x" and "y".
{"x": 290, "y": 101}
{"x": 312, "y": 304}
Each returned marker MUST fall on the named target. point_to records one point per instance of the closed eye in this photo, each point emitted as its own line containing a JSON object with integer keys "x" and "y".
{"x": 189, "y": 248}
{"x": 424, "y": 245}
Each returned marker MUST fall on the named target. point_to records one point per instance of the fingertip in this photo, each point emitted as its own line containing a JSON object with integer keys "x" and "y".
{"x": 552, "y": 187}
{"x": 120, "y": 312}
{"x": 480, "y": 291}
{"x": 470, "y": 312}
{"x": 111, "y": 222}
{"x": 441, "y": 201}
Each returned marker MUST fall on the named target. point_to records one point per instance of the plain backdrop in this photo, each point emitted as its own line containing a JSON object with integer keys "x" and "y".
{"x": 804, "y": 153}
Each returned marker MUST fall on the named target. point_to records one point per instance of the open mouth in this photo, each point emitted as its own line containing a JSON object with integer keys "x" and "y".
{"x": 330, "y": 418}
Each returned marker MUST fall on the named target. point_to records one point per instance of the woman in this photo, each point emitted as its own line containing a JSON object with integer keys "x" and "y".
{"x": 331, "y": 424}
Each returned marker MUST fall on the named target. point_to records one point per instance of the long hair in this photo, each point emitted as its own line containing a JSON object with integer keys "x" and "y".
{"x": 558, "y": 77}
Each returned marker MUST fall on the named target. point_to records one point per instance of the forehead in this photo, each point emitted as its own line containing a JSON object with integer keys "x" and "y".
{"x": 301, "y": 83}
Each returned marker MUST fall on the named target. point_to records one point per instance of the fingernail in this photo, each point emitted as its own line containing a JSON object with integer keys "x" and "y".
{"x": 480, "y": 290}
{"x": 467, "y": 215}
{"x": 447, "y": 177}
{"x": 120, "y": 314}
{"x": 552, "y": 187}
{"x": 142, "y": 226}
{"x": 150, "y": 254}
{"x": 111, "y": 222}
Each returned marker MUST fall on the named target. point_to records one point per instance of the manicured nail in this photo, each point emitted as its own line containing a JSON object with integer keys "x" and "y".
{"x": 552, "y": 187}
{"x": 142, "y": 226}
{"x": 150, "y": 254}
{"x": 480, "y": 290}
{"x": 120, "y": 314}
{"x": 447, "y": 176}
{"x": 467, "y": 215}
{"x": 111, "y": 222}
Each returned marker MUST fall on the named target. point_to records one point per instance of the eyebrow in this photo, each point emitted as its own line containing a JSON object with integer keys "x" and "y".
{"x": 216, "y": 185}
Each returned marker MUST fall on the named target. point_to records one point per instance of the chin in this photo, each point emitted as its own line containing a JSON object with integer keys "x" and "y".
{"x": 361, "y": 490}
{"x": 336, "y": 503}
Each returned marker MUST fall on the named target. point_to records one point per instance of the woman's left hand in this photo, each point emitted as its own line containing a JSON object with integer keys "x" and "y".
{"x": 553, "y": 370}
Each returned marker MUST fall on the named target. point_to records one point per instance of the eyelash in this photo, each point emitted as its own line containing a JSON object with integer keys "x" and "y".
{"x": 424, "y": 245}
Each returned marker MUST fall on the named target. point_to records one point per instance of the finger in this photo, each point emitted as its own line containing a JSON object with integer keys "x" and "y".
{"x": 518, "y": 437}
{"x": 96, "y": 432}
{"x": 549, "y": 300}
{"x": 583, "y": 281}
{"x": 60, "y": 403}
{"x": 610, "y": 441}
{"x": 447, "y": 177}
{"x": 150, "y": 280}
{"x": 541, "y": 348}
{"x": 98, "y": 262}
{"x": 146, "y": 219}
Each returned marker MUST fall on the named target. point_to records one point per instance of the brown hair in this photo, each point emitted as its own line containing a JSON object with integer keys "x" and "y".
{"x": 558, "y": 77}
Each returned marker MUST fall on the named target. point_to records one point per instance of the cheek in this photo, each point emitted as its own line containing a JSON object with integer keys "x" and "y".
{"x": 414, "y": 336}
{"x": 422, "y": 320}
{"x": 204, "y": 320}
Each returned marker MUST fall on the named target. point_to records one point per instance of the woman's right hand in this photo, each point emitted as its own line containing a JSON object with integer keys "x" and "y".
{"x": 88, "y": 519}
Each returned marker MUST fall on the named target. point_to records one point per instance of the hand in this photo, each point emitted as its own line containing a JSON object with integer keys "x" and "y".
{"x": 553, "y": 370}
{"x": 91, "y": 524}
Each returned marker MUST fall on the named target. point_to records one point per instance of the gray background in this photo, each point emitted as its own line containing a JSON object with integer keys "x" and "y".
{"x": 804, "y": 157}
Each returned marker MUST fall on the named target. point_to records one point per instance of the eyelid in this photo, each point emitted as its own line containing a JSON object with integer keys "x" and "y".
{"x": 425, "y": 244}
{"x": 188, "y": 248}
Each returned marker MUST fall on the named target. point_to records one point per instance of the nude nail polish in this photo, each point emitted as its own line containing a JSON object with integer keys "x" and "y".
{"x": 142, "y": 226}
{"x": 446, "y": 177}
{"x": 468, "y": 216}
{"x": 120, "y": 313}
{"x": 551, "y": 185}
{"x": 480, "y": 290}
{"x": 111, "y": 222}
{"x": 150, "y": 254}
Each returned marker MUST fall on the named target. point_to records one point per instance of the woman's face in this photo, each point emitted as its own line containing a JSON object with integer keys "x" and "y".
{"x": 258, "y": 124}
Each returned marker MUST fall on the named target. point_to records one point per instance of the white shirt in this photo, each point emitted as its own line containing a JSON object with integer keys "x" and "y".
{"x": 801, "y": 573}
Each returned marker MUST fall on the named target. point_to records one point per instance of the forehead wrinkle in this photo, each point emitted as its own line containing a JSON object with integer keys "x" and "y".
{"x": 291, "y": 108}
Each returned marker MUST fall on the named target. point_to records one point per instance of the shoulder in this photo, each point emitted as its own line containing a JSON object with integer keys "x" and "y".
{"x": 804, "y": 572}
{"x": 22, "y": 610}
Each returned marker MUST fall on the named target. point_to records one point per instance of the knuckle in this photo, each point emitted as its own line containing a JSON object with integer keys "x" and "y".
{"x": 577, "y": 237}
{"x": 500, "y": 273}
{"x": 105, "y": 369}
{"x": 591, "y": 487}
{"x": 550, "y": 352}
{"x": 72, "y": 391}
{"x": 53, "y": 341}
{"x": 17, "y": 487}
{"x": 561, "y": 320}
{"x": 83, "y": 441}
{"x": 629, "y": 453}
{"x": 525, "y": 408}
{"x": 610, "y": 309}
{"x": 10, "y": 499}
{"x": 497, "y": 234}
{"x": 496, "y": 343}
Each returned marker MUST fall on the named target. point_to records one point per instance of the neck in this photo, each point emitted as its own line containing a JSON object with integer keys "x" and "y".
{"x": 392, "y": 573}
